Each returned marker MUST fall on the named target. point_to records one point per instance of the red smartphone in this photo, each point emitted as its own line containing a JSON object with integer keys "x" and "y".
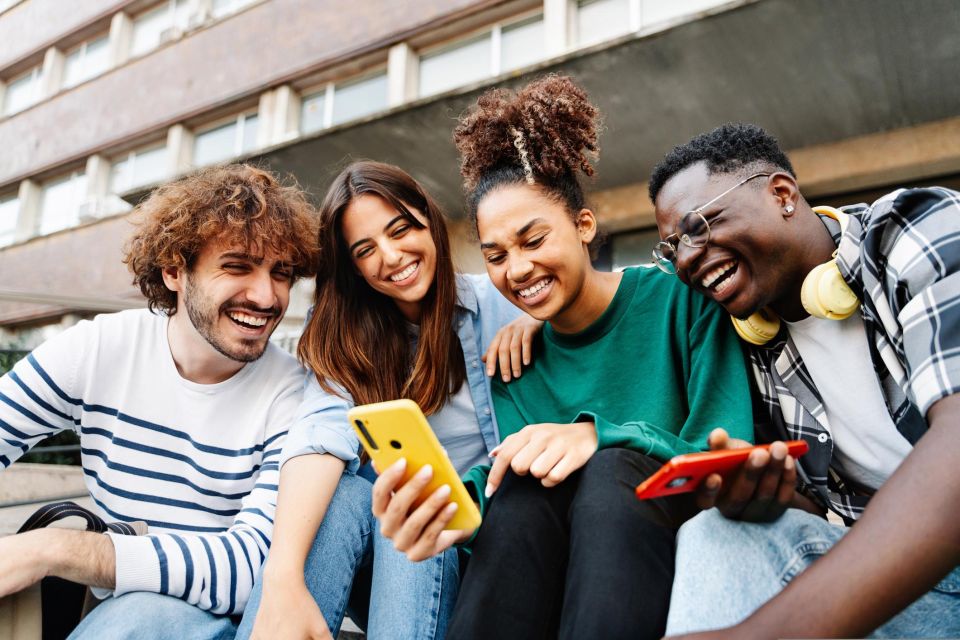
{"x": 684, "y": 473}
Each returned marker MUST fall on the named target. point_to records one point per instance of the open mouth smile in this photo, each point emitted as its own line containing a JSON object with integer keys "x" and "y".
{"x": 719, "y": 278}
{"x": 248, "y": 321}
{"x": 408, "y": 272}
{"x": 536, "y": 292}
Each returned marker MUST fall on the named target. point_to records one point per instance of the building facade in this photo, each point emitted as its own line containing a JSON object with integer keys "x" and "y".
{"x": 101, "y": 102}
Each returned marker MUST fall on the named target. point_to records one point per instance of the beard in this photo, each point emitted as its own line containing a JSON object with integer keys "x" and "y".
{"x": 204, "y": 315}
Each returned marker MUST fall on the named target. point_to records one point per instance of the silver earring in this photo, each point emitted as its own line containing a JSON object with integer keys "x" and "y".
{"x": 788, "y": 208}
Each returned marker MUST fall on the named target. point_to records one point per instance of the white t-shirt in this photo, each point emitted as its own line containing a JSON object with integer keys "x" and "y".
{"x": 867, "y": 446}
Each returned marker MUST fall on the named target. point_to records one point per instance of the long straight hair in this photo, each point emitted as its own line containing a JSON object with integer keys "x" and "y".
{"x": 357, "y": 338}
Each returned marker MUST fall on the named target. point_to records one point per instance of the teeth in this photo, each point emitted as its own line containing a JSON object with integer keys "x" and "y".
{"x": 535, "y": 289}
{"x": 406, "y": 273}
{"x": 247, "y": 319}
{"x": 712, "y": 276}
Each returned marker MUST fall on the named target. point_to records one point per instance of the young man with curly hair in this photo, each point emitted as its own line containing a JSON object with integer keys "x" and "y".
{"x": 181, "y": 410}
{"x": 851, "y": 319}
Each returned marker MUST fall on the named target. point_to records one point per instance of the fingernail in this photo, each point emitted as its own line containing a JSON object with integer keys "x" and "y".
{"x": 452, "y": 507}
{"x": 516, "y": 374}
{"x": 425, "y": 471}
{"x": 488, "y": 490}
{"x": 443, "y": 491}
{"x": 506, "y": 378}
{"x": 401, "y": 463}
{"x": 788, "y": 464}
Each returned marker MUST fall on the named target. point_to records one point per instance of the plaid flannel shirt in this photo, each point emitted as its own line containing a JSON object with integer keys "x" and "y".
{"x": 901, "y": 256}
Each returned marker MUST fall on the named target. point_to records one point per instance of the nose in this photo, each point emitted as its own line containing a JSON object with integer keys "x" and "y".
{"x": 392, "y": 254}
{"x": 687, "y": 257}
{"x": 519, "y": 268}
{"x": 261, "y": 289}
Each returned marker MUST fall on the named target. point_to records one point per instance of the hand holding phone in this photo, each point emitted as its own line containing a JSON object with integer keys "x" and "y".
{"x": 745, "y": 482}
{"x": 420, "y": 500}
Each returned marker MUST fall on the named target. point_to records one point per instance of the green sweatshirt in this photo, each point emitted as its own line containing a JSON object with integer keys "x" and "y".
{"x": 656, "y": 372}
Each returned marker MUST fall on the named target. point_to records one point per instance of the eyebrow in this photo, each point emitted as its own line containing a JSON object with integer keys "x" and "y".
{"x": 520, "y": 232}
{"x": 239, "y": 255}
{"x": 387, "y": 226}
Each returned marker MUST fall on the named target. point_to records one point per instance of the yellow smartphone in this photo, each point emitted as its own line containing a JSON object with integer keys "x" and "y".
{"x": 398, "y": 429}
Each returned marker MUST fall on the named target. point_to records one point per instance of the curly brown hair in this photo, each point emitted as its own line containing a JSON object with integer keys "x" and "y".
{"x": 235, "y": 203}
{"x": 551, "y": 122}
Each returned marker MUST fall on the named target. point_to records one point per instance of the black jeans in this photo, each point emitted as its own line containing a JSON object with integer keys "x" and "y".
{"x": 582, "y": 560}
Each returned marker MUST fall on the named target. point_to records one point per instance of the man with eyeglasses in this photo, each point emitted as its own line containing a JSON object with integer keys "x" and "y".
{"x": 852, "y": 323}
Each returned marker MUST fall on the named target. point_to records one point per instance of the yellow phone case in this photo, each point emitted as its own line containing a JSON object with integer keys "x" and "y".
{"x": 398, "y": 429}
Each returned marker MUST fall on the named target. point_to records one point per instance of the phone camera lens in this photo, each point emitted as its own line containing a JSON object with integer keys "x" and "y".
{"x": 395, "y": 444}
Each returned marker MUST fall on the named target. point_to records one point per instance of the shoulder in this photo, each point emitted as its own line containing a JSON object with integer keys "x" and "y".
{"x": 477, "y": 294}
{"x": 926, "y": 211}
{"x": 280, "y": 367}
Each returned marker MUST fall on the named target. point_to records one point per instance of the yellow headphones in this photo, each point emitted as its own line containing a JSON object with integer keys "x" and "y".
{"x": 824, "y": 294}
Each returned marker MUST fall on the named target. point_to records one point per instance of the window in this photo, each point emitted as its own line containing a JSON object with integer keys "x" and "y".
{"x": 226, "y": 141}
{"x": 599, "y": 20}
{"x": 359, "y": 98}
{"x": 88, "y": 60}
{"x": 343, "y": 102}
{"x": 632, "y": 247}
{"x": 313, "y": 112}
{"x": 502, "y": 48}
{"x": 9, "y": 210}
{"x": 22, "y": 92}
{"x": 137, "y": 168}
{"x": 60, "y": 201}
{"x": 522, "y": 43}
{"x": 223, "y": 8}
{"x": 456, "y": 66}
{"x": 149, "y": 28}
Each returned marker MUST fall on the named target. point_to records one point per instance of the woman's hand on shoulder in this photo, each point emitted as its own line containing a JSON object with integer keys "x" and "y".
{"x": 512, "y": 347}
{"x": 547, "y": 451}
{"x": 417, "y": 531}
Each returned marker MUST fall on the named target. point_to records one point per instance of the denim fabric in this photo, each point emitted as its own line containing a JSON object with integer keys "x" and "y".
{"x": 151, "y": 616}
{"x": 321, "y": 422}
{"x": 727, "y": 569}
{"x": 405, "y": 599}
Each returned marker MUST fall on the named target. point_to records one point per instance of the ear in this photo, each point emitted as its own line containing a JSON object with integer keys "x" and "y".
{"x": 785, "y": 190}
{"x": 173, "y": 278}
{"x": 586, "y": 225}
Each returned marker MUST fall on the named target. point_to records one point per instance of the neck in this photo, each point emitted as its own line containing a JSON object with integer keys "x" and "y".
{"x": 409, "y": 310}
{"x": 813, "y": 246}
{"x": 193, "y": 356}
{"x": 596, "y": 294}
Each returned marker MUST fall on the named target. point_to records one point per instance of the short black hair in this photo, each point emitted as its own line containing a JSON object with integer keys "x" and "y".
{"x": 727, "y": 148}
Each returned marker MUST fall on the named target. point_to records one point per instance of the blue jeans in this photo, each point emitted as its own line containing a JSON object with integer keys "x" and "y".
{"x": 392, "y": 597}
{"x": 141, "y": 615}
{"x": 727, "y": 569}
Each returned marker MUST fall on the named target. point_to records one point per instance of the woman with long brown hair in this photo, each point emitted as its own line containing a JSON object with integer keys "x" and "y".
{"x": 391, "y": 319}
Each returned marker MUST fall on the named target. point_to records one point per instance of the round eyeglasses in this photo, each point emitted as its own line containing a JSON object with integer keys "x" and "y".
{"x": 693, "y": 231}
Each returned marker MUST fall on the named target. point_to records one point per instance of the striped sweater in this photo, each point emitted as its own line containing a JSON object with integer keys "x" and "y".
{"x": 197, "y": 463}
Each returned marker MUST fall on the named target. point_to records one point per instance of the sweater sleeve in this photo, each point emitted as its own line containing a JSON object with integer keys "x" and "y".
{"x": 37, "y": 397}
{"x": 214, "y": 571}
{"x": 718, "y": 387}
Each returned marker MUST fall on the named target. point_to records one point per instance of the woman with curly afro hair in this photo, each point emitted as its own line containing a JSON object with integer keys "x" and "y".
{"x": 631, "y": 368}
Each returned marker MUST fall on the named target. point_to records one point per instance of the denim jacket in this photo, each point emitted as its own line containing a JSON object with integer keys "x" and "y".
{"x": 321, "y": 421}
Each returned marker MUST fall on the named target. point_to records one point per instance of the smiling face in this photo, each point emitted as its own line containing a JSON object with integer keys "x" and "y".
{"x": 535, "y": 254}
{"x": 746, "y": 263}
{"x": 233, "y": 299}
{"x": 395, "y": 256}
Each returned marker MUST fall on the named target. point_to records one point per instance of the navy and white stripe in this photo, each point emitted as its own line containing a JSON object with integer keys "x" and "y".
{"x": 197, "y": 463}
{"x": 901, "y": 256}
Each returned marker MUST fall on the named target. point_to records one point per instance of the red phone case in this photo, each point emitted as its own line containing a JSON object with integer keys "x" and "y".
{"x": 684, "y": 473}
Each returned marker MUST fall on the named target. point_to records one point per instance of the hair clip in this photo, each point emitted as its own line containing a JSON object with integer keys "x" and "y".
{"x": 521, "y": 146}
